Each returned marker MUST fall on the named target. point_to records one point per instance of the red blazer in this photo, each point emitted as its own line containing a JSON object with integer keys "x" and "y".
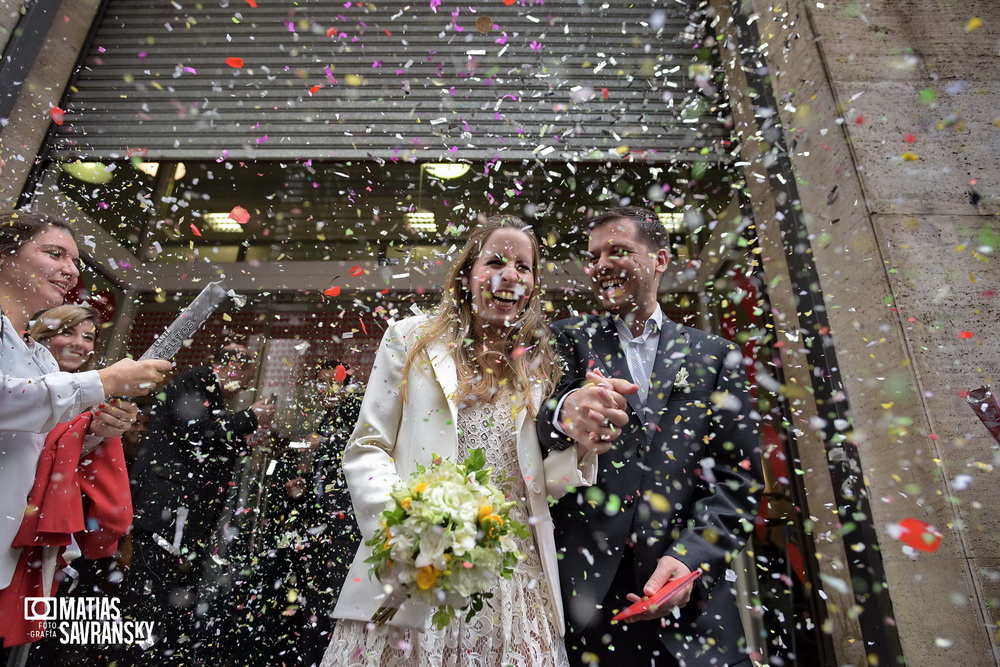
{"x": 89, "y": 500}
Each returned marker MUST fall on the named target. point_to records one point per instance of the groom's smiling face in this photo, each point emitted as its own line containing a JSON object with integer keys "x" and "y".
{"x": 624, "y": 270}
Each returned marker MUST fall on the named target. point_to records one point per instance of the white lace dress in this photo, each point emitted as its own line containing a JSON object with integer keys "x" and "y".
{"x": 516, "y": 628}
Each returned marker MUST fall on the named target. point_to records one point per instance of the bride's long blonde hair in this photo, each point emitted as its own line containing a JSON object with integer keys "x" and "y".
{"x": 520, "y": 359}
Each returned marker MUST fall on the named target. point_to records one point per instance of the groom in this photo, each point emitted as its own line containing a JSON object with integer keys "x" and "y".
{"x": 679, "y": 477}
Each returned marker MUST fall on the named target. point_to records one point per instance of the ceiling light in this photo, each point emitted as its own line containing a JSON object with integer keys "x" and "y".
{"x": 95, "y": 173}
{"x": 447, "y": 170}
{"x": 672, "y": 222}
{"x": 421, "y": 221}
{"x": 221, "y": 222}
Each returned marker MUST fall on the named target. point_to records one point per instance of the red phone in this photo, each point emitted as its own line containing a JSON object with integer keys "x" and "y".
{"x": 657, "y": 598}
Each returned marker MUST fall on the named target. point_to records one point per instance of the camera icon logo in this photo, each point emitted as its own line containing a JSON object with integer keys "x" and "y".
{"x": 40, "y": 609}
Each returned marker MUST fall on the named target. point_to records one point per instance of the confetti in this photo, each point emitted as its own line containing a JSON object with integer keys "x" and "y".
{"x": 332, "y": 291}
{"x": 909, "y": 157}
{"x": 910, "y": 139}
{"x": 235, "y": 63}
{"x": 356, "y": 271}
{"x": 918, "y": 535}
{"x": 57, "y": 115}
{"x": 339, "y": 373}
{"x": 974, "y": 22}
{"x": 966, "y": 334}
{"x": 315, "y": 89}
{"x": 252, "y": 3}
{"x": 240, "y": 215}
{"x": 194, "y": 230}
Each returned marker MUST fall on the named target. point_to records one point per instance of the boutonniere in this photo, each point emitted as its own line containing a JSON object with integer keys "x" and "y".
{"x": 681, "y": 379}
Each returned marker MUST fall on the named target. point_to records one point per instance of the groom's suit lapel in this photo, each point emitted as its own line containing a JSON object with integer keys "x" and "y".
{"x": 671, "y": 352}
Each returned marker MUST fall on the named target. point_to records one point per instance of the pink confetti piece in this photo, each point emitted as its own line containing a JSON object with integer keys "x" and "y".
{"x": 240, "y": 215}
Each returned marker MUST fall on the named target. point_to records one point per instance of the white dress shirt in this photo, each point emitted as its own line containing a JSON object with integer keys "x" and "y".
{"x": 34, "y": 397}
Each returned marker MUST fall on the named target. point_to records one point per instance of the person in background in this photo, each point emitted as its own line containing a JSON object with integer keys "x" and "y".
{"x": 70, "y": 332}
{"x": 181, "y": 477}
{"x": 283, "y": 599}
{"x": 38, "y": 267}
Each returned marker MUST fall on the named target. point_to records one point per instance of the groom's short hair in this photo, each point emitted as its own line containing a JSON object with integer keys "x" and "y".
{"x": 651, "y": 230}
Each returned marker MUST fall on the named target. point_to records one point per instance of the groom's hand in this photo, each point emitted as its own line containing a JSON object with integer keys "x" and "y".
{"x": 594, "y": 414}
{"x": 667, "y": 568}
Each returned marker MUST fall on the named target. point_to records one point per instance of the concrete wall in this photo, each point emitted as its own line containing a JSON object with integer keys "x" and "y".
{"x": 908, "y": 259}
{"x": 22, "y": 137}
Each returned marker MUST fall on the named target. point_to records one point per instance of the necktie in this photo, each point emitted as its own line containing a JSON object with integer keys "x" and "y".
{"x": 639, "y": 368}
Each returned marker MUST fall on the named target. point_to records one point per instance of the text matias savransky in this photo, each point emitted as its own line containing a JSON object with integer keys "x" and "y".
{"x": 85, "y": 620}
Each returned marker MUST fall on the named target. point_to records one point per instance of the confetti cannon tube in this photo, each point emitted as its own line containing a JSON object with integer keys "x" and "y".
{"x": 171, "y": 340}
{"x": 984, "y": 404}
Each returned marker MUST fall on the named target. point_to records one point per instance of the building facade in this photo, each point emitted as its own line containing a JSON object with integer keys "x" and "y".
{"x": 827, "y": 169}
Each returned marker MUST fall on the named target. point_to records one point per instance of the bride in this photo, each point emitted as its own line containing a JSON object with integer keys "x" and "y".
{"x": 471, "y": 375}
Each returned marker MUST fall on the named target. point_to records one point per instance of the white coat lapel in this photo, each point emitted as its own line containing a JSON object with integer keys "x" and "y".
{"x": 443, "y": 363}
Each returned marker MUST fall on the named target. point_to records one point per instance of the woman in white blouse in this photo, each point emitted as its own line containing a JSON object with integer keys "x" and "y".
{"x": 38, "y": 267}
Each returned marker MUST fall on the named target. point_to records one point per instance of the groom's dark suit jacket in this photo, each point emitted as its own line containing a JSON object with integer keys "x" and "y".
{"x": 683, "y": 480}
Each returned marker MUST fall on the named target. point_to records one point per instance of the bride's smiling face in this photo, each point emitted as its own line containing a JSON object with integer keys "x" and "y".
{"x": 502, "y": 278}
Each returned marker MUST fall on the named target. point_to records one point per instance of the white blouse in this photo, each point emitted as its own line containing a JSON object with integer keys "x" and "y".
{"x": 34, "y": 397}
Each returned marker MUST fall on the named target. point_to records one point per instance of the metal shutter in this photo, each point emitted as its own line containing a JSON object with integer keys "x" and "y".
{"x": 558, "y": 80}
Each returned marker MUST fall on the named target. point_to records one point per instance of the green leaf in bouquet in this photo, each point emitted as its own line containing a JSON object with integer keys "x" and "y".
{"x": 518, "y": 529}
{"x": 476, "y": 605}
{"x": 475, "y": 462}
{"x": 394, "y": 517}
{"x": 443, "y": 616}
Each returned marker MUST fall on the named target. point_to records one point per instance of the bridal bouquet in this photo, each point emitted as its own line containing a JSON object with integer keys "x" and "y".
{"x": 444, "y": 538}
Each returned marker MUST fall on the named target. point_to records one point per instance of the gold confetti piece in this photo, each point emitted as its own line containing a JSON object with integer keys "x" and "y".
{"x": 353, "y": 80}
{"x": 910, "y": 157}
{"x": 974, "y": 22}
{"x": 886, "y": 406}
{"x": 658, "y": 502}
